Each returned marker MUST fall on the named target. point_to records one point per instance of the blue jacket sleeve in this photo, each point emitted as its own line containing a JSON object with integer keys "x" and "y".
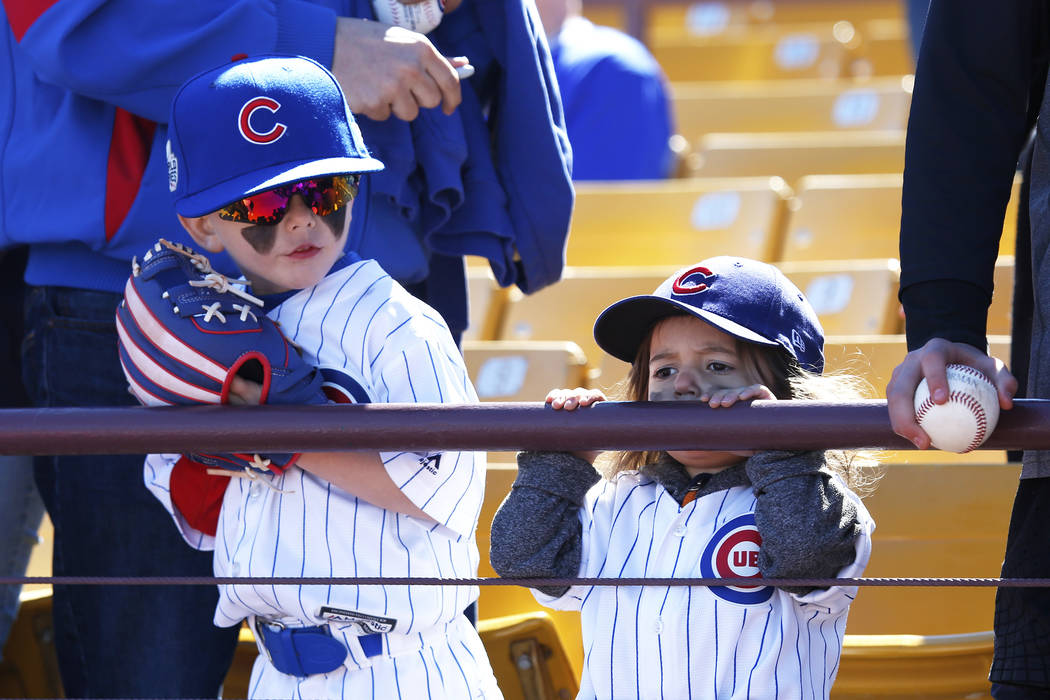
{"x": 123, "y": 53}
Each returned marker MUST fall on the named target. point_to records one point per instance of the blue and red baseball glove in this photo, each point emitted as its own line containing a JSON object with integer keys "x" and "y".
{"x": 186, "y": 330}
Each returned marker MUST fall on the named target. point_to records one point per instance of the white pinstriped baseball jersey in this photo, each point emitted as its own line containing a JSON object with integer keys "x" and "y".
{"x": 697, "y": 642}
{"x": 374, "y": 343}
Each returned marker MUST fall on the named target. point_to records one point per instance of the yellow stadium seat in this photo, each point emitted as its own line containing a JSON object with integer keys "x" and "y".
{"x": 938, "y": 519}
{"x": 567, "y": 310}
{"x": 932, "y": 667}
{"x": 713, "y": 18}
{"x": 794, "y": 155}
{"x": 497, "y": 602}
{"x": 874, "y": 356}
{"x": 506, "y": 370}
{"x": 883, "y": 48}
{"x": 487, "y": 302}
{"x": 794, "y": 105}
{"x": 30, "y": 667}
{"x": 851, "y": 296}
{"x": 934, "y": 520}
{"x": 1008, "y": 241}
{"x": 606, "y": 14}
{"x": 1000, "y": 313}
{"x": 839, "y": 217}
{"x": 806, "y": 51}
{"x": 668, "y": 222}
{"x": 527, "y": 657}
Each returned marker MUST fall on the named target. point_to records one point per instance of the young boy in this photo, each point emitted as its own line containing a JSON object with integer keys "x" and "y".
{"x": 264, "y": 161}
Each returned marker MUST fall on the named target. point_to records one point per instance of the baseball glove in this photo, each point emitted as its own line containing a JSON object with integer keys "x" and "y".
{"x": 186, "y": 330}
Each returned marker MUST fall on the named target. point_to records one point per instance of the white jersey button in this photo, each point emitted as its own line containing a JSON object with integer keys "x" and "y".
{"x": 658, "y": 626}
{"x": 235, "y": 570}
{"x": 679, "y": 531}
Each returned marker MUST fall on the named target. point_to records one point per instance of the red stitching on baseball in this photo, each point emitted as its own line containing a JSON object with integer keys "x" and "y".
{"x": 967, "y": 400}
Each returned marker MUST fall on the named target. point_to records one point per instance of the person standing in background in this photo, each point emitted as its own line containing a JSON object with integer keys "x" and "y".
{"x": 611, "y": 86}
{"x": 82, "y": 134}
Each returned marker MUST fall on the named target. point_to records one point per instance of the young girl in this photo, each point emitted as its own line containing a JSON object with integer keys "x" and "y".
{"x": 726, "y": 330}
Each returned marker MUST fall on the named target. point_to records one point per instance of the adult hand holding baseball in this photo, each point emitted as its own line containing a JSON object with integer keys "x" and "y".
{"x": 930, "y": 362}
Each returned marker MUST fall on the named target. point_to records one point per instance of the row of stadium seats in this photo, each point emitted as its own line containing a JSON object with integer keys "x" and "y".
{"x": 851, "y": 297}
{"x": 878, "y": 104}
{"x": 821, "y": 217}
{"x": 824, "y": 50}
{"x": 713, "y": 18}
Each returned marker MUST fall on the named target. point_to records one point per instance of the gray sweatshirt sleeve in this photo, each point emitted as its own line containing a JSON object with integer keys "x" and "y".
{"x": 807, "y": 522}
{"x": 537, "y": 532}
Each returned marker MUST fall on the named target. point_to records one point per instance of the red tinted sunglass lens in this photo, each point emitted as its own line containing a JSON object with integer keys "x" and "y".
{"x": 266, "y": 207}
{"x": 324, "y": 196}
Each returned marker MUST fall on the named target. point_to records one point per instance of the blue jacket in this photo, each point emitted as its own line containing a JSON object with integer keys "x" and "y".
{"x": 82, "y": 135}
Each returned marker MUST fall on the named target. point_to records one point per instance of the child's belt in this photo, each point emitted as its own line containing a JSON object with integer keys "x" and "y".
{"x": 306, "y": 651}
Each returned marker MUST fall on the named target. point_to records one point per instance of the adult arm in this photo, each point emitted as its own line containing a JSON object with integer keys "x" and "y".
{"x": 971, "y": 113}
{"x": 537, "y": 531}
{"x": 113, "y": 51}
{"x": 116, "y": 52}
{"x": 808, "y": 523}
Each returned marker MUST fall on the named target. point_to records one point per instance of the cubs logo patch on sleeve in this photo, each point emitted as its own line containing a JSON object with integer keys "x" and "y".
{"x": 340, "y": 387}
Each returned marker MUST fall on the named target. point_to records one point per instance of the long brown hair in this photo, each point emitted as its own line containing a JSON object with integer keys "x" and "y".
{"x": 778, "y": 371}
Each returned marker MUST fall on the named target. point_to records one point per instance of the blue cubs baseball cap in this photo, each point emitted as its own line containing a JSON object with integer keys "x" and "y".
{"x": 747, "y": 299}
{"x": 257, "y": 123}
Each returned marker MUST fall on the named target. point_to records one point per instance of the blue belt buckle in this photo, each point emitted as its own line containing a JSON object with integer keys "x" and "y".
{"x": 300, "y": 651}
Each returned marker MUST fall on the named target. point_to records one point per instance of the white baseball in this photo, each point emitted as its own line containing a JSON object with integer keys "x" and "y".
{"x": 969, "y": 416}
{"x": 420, "y": 17}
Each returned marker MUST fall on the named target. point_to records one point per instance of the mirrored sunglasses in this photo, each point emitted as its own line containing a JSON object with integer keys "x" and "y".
{"x": 324, "y": 195}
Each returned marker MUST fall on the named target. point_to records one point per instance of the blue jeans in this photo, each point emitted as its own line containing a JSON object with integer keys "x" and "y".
{"x": 114, "y": 641}
{"x": 20, "y": 514}
{"x": 20, "y": 506}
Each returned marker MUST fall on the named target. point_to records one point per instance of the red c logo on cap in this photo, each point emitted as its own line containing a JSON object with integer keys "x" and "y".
{"x": 245, "y": 118}
{"x": 680, "y": 285}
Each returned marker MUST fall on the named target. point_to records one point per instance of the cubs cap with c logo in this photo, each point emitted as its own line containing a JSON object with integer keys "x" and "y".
{"x": 254, "y": 124}
{"x": 747, "y": 299}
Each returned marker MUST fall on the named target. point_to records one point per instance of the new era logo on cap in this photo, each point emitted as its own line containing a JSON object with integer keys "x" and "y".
{"x": 255, "y": 124}
{"x": 173, "y": 167}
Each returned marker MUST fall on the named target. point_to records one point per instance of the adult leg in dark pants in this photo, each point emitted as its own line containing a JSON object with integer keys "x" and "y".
{"x": 119, "y": 641}
{"x": 1021, "y": 667}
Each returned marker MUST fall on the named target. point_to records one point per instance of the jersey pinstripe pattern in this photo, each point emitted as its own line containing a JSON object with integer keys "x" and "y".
{"x": 679, "y": 641}
{"x": 376, "y": 342}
